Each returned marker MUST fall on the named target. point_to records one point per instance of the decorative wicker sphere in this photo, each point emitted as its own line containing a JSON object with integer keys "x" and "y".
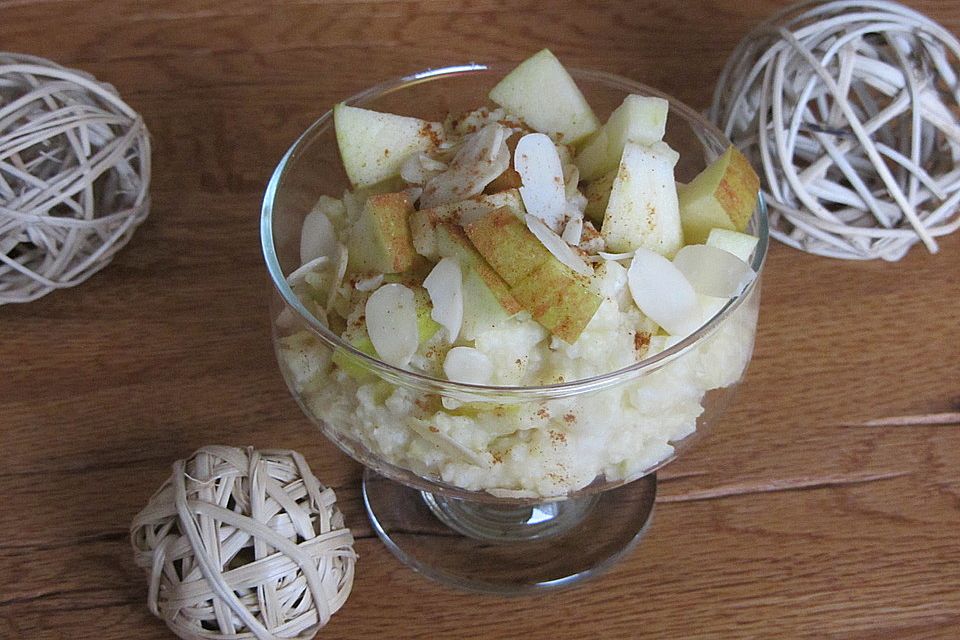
{"x": 850, "y": 109}
{"x": 74, "y": 176}
{"x": 240, "y": 543}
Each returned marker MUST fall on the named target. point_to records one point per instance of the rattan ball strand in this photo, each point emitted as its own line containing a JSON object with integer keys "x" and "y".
{"x": 244, "y": 544}
{"x": 74, "y": 176}
{"x": 850, "y": 108}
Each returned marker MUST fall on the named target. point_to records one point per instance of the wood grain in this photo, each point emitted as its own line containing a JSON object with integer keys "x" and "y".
{"x": 785, "y": 522}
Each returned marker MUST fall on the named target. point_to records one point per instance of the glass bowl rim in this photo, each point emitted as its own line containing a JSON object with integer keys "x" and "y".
{"x": 409, "y": 378}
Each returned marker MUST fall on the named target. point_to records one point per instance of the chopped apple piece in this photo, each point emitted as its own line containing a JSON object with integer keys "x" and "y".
{"x": 722, "y": 196}
{"x": 712, "y": 271}
{"x": 423, "y": 223}
{"x": 506, "y": 243}
{"x": 739, "y": 244}
{"x": 374, "y": 145}
{"x": 481, "y": 309}
{"x": 412, "y": 277}
{"x": 356, "y": 334}
{"x": 542, "y": 94}
{"x": 640, "y": 119}
{"x": 426, "y": 325}
{"x": 452, "y": 242}
{"x": 597, "y": 193}
{"x": 643, "y": 209}
{"x": 380, "y": 239}
{"x": 560, "y": 299}
{"x": 423, "y": 233}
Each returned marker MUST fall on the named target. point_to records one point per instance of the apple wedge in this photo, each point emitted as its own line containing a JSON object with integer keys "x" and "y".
{"x": 640, "y": 119}
{"x": 374, "y": 145}
{"x": 739, "y": 244}
{"x": 505, "y": 242}
{"x": 481, "y": 309}
{"x": 643, "y": 210}
{"x": 722, "y": 196}
{"x": 380, "y": 237}
{"x": 557, "y": 297}
{"x": 452, "y": 242}
{"x": 423, "y": 223}
{"x": 541, "y": 93}
{"x": 597, "y": 193}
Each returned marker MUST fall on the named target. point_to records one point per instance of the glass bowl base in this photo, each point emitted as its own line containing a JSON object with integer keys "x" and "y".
{"x": 508, "y": 549}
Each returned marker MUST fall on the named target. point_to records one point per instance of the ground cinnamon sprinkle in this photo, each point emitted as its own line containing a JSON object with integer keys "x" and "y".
{"x": 433, "y": 429}
{"x": 427, "y": 131}
{"x": 543, "y": 413}
{"x": 569, "y": 418}
{"x": 641, "y": 340}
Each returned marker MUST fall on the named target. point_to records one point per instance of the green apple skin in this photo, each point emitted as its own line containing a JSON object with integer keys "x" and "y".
{"x": 643, "y": 210}
{"x": 374, "y": 145}
{"x": 541, "y": 93}
{"x": 380, "y": 239}
{"x": 640, "y": 119}
{"x": 560, "y": 299}
{"x": 722, "y": 196}
{"x": 505, "y": 242}
{"x": 452, "y": 242}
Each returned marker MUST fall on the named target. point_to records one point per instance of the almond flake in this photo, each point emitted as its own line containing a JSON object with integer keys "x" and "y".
{"x": 445, "y": 286}
{"x": 391, "y": 318}
{"x": 556, "y": 246}
{"x": 543, "y": 191}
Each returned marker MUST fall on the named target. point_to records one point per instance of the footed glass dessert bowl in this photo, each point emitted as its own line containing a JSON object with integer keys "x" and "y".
{"x": 476, "y": 482}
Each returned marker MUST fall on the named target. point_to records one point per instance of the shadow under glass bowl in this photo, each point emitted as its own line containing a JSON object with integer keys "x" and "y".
{"x": 500, "y": 541}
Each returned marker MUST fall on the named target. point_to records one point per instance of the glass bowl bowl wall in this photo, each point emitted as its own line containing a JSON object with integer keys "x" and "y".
{"x": 312, "y": 168}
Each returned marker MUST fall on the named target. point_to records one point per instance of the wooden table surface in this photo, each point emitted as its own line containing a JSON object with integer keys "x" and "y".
{"x": 783, "y": 523}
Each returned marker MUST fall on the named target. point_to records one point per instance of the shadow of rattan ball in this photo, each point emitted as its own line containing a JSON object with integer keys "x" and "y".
{"x": 74, "y": 176}
{"x": 243, "y": 544}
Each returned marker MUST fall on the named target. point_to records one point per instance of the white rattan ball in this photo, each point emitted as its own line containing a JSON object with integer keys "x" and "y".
{"x": 850, "y": 110}
{"x": 243, "y": 544}
{"x": 74, "y": 176}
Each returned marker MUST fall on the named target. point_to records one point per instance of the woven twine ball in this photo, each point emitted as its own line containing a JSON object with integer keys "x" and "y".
{"x": 850, "y": 109}
{"x": 74, "y": 176}
{"x": 240, "y": 543}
